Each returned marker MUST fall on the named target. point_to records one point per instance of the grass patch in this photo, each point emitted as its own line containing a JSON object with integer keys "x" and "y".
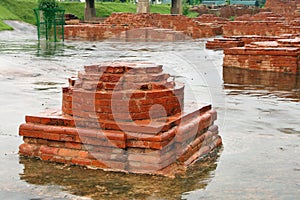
{"x": 105, "y": 9}
{"x": 192, "y": 14}
{"x": 4, "y": 26}
{"x": 162, "y": 8}
{"x": 74, "y": 8}
{"x": 6, "y": 15}
{"x": 21, "y": 8}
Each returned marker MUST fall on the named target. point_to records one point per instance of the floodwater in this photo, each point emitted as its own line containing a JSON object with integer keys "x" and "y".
{"x": 259, "y": 121}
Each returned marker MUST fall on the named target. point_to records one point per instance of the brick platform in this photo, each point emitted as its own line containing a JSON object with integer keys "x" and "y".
{"x": 278, "y": 56}
{"x": 222, "y": 43}
{"x": 118, "y": 23}
{"x": 262, "y": 24}
{"x": 240, "y": 41}
{"x": 288, "y": 8}
{"x": 128, "y": 117}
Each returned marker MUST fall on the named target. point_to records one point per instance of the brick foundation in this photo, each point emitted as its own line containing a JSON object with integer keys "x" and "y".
{"x": 118, "y": 23}
{"x": 262, "y": 24}
{"x": 240, "y": 41}
{"x": 288, "y": 8}
{"x": 278, "y": 56}
{"x": 237, "y": 79}
{"x": 127, "y": 117}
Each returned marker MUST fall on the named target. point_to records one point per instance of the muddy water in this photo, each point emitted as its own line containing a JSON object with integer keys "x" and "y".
{"x": 258, "y": 118}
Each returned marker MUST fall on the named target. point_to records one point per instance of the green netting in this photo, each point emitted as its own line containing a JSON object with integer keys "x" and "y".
{"x": 50, "y": 24}
{"x": 214, "y": 2}
{"x": 243, "y": 2}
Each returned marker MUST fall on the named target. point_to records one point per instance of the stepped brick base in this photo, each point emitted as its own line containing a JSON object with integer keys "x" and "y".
{"x": 126, "y": 117}
{"x": 222, "y": 43}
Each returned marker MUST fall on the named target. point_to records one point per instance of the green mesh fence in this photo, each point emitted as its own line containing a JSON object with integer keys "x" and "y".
{"x": 50, "y": 24}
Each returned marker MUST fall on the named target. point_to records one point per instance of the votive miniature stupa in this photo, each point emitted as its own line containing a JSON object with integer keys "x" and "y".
{"x": 123, "y": 116}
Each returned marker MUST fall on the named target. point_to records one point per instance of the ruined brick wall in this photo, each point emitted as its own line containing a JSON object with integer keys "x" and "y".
{"x": 211, "y": 18}
{"x": 120, "y": 22}
{"x": 225, "y": 11}
{"x": 235, "y": 78}
{"x": 240, "y": 41}
{"x": 287, "y": 8}
{"x": 262, "y": 16}
{"x": 262, "y": 24}
{"x": 277, "y": 56}
{"x": 262, "y": 28}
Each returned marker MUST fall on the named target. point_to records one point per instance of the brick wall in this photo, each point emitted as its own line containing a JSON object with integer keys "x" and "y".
{"x": 240, "y": 41}
{"x": 277, "y": 56}
{"x": 262, "y": 24}
{"x": 235, "y": 78}
{"x": 119, "y": 22}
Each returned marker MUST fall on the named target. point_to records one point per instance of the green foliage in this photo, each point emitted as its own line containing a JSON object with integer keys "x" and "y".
{"x": 192, "y": 14}
{"x": 47, "y": 4}
{"x": 48, "y": 7}
{"x": 185, "y": 9}
{"x": 261, "y": 3}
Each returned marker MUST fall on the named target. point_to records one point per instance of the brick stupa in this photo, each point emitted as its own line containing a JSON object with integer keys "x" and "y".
{"x": 123, "y": 116}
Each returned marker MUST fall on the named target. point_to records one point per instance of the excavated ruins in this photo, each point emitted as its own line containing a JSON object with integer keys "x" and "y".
{"x": 267, "y": 41}
{"x": 131, "y": 116}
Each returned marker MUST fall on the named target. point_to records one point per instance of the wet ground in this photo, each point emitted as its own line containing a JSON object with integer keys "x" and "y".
{"x": 259, "y": 120}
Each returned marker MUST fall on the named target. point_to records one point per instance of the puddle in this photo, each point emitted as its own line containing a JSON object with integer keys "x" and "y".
{"x": 98, "y": 184}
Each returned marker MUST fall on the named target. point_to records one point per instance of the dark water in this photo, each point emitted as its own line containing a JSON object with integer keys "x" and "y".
{"x": 259, "y": 117}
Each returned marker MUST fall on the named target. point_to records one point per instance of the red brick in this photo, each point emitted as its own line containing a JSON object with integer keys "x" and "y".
{"x": 98, "y": 164}
{"x": 48, "y": 150}
{"x": 28, "y": 149}
{"x": 81, "y": 161}
{"x": 68, "y": 152}
{"x": 73, "y": 145}
{"x": 32, "y": 119}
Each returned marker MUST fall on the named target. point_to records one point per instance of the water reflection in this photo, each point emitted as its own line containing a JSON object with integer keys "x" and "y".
{"x": 48, "y": 49}
{"x": 99, "y": 184}
{"x": 262, "y": 83}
